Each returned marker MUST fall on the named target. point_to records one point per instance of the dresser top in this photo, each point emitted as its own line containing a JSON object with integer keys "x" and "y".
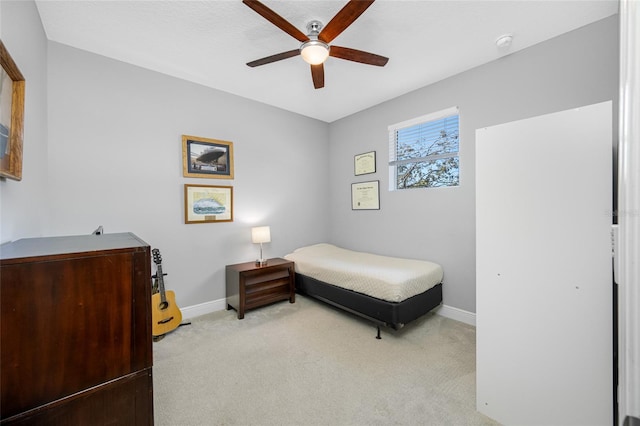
{"x": 51, "y": 246}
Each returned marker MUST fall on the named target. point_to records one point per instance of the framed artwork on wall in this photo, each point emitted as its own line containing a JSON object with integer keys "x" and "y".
{"x": 207, "y": 158}
{"x": 11, "y": 116}
{"x": 208, "y": 203}
{"x": 365, "y": 195}
{"x": 364, "y": 163}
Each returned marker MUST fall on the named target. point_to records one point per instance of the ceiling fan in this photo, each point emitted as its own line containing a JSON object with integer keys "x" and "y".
{"x": 315, "y": 46}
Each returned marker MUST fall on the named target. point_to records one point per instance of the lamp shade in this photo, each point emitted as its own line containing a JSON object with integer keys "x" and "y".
{"x": 261, "y": 234}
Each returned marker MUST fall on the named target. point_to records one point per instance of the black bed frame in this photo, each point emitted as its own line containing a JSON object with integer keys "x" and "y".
{"x": 381, "y": 312}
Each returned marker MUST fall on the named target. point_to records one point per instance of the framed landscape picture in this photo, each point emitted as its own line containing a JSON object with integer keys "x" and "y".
{"x": 11, "y": 116}
{"x": 207, "y": 158}
{"x": 208, "y": 203}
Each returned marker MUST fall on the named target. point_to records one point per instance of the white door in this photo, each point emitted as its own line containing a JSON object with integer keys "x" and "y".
{"x": 544, "y": 285}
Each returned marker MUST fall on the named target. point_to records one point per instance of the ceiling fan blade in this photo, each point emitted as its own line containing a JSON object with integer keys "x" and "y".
{"x": 358, "y": 56}
{"x": 349, "y": 13}
{"x": 276, "y": 20}
{"x": 317, "y": 74}
{"x": 274, "y": 58}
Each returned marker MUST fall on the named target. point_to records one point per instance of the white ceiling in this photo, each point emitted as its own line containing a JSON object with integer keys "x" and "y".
{"x": 210, "y": 42}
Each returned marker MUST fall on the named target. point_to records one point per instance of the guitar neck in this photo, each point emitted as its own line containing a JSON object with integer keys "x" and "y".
{"x": 160, "y": 276}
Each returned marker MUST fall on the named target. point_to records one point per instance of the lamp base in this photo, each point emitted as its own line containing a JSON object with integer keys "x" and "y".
{"x": 261, "y": 262}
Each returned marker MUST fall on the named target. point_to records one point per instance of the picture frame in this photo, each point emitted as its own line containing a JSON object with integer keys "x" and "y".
{"x": 12, "y": 85}
{"x": 365, "y": 163}
{"x": 365, "y": 195}
{"x": 207, "y": 203}
{"x": 207, "y": 158}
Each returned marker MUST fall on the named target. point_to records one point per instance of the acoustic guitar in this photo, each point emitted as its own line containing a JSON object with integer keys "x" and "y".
{"x": 165, "y": 314}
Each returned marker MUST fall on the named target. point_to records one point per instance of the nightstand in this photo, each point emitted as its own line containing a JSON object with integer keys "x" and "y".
{"x": 250, "y": 286}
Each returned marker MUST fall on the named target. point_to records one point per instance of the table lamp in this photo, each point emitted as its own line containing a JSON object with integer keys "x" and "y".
{"x": 261, "y": 234}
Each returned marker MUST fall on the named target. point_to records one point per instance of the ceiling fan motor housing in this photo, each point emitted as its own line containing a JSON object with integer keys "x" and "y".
{"x": 313, "y": 28}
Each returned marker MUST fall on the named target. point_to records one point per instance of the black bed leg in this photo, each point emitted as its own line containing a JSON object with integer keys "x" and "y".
{"x": 378, "y": 336}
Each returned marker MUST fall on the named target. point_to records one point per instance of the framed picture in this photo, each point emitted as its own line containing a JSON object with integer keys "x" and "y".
{"x": 207, "y": 158}
{"x": 207, "y": 203}
{"x": 365, "y": 163}
{"x": 365, "y": 195}
{"x": 11, "y": 116}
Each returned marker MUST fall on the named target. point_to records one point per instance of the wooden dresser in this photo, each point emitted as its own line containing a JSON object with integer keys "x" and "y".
{"x": 75, "y": 329}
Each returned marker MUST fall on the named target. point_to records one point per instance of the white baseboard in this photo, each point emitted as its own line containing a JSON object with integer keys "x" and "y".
{"x": 220, "y": 304}
{"x": 457, "y": 314}
{"x": 203, "y": 308}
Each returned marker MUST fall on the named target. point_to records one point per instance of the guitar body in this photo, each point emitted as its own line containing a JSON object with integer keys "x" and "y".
{"x": 165, "y": 315}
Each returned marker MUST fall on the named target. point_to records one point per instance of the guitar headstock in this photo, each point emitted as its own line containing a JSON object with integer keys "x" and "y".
{"x": 157, "y": 259}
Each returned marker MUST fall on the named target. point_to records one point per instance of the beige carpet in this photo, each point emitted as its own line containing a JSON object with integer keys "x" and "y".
{"x": 310, "y": 364}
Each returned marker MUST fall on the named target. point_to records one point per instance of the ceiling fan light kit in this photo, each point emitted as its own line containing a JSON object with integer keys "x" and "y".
{"x": 314, "y": 52}
{"x": 315, "y": 48}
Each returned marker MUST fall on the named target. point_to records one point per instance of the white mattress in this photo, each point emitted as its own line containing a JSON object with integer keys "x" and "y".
{"x": 388, "y": 278}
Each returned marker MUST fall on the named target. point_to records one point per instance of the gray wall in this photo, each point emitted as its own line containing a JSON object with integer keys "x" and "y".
{"x": 23, "y": 204}
{"x": 115, "y": 159}
{"x": 575, "y": 69}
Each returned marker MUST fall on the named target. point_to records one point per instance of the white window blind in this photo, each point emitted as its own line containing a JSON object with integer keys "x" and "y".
{"x": 423, "y": 152}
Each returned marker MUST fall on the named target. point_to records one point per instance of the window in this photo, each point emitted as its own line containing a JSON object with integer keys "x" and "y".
{"x": 423, "y": 152}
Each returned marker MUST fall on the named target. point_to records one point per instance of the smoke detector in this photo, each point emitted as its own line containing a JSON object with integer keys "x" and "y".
{"x": 504, "y": 41}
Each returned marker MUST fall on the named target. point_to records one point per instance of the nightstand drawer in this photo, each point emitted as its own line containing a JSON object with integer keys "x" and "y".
{"x": 268, "y": 286}
{"x": 260, "y": 277}
{"x": 276, "y": 290}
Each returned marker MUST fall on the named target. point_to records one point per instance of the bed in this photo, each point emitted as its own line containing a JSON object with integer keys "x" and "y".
{"x": 389, "y": 291}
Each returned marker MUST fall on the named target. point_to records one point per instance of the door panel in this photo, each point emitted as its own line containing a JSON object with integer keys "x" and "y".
{"x": 544, "y": 303}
